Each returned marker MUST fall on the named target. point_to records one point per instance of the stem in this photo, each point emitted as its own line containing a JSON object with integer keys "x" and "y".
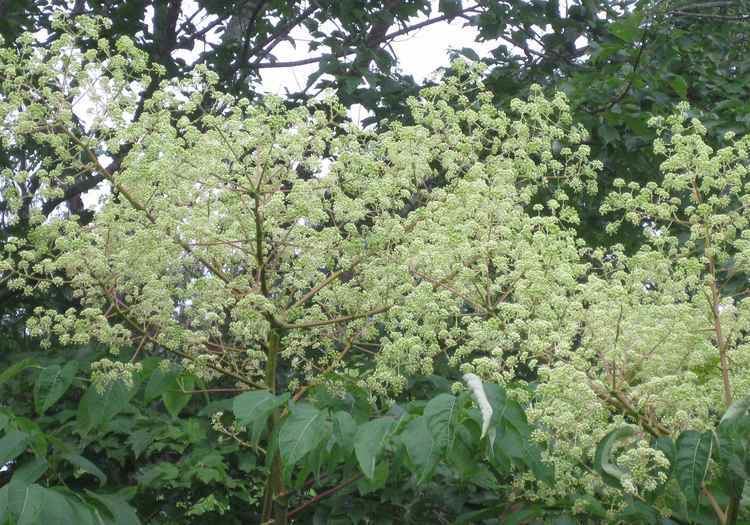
{"x": 715, "y": 506}
{"x": 275, "y": 499}
{"x": 323, "y": 494}
{"x": 733, "y": 510}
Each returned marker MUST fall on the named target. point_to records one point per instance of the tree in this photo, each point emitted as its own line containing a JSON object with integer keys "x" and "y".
{"x": 323, "y": 270}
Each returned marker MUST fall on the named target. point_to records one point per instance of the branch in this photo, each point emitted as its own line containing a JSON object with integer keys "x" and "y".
{"x": 389, "y": 36}
{"x": 326, "y": 322}
{"x": 309, "y": 295}
{"x": 140, "y": 207}
{"x": 292, "y": 513}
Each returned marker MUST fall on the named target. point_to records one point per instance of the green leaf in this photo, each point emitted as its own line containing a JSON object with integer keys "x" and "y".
{"x": 51, "y": 385}
{"x": 15, "y": 369}
{"x": 253, "y": 408}
{"x": 97, "y": 408}
{"x": 734, "y": 444}
{"x": 603, "y": 462}
{"x": 449, "y": 8}
{"x": 117, "y": 506}
{"x": 157, "y": 384}
{"x": 30, "y": 471}
{"x": 175, "y": 395}
{"x": 344, "y": 430}
{"x": 680, "y": 85}
{"x": 86, "y": 466}
{"x": 302, "y": 431}
{"x": 12, "y": 445}
{"x": 627, "y": 29}
{"x": 421, "y": 447}
{"x": 469, "y": 53}
{"x": 441, "y": 414}
{"x": 369, "y": 442}
{"x": 691, "y": 462}
{"x": 476, "y": 516}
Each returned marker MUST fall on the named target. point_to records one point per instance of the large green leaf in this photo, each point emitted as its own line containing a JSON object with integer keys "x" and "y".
{"x": 15, "y": 369}
{"x": 34, "y": 504}
{"x": 441, "y": 414}
{"x": 691, "y": 462}
{"x": 734, "y": 444}
{"x": 97, "y": 408}
{"x": 253, "y": 408}
{"x": 86, "y": 466}
{"x": 176, "y": 394}
{"x": 603, "y": 461}
{"x": 158, "y": 383}
{"x": 52, "y": 383}
{"x": 627, "y": 29}
{"x": 344, "y": 430}
{"x": 119, "y": 511}
{"x": 12, "y": 445}
{"x": 421, "y": 447}
{"x": 302, "y": 431}
{"x": 30, "y": 471}
{"x": 369, "y": 442}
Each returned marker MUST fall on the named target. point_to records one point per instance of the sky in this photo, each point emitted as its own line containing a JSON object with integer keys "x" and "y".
{"x": 419, "y": 53}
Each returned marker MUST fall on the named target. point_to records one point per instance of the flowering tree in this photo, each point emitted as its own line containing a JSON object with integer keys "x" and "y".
{"x": 301, "y": 258}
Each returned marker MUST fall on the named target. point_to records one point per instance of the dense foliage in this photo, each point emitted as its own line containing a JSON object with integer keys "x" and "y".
{"x": 276, "y": 315}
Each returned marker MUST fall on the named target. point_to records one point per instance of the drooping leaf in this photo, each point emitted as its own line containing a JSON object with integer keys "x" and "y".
{"x": 474, "y": 384}
{"x": 603, "y": 461}
{"x": 369, "y": 442}
{"x": 52, "y": 383}
{"x": 300, "y": 433}
{"x": 86, "y": 466}
{"x": 691, "y": 462}
{"x": 253, "y": 408}
{"x": 15, "y": 369}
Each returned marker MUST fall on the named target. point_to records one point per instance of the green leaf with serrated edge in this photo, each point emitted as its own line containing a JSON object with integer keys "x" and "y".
{"x": 251, "y": 409}
{"x": 441, "y": 414}
{"x": 300, "y": 433}
{"x": 369, "y": 442}
{"x": 51, "y": 384}
{"x": 691, "y": 463}
{"x": 603, "y": 461}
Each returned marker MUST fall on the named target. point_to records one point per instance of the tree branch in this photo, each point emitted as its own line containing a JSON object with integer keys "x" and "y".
{"x": 389, "y": 36}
